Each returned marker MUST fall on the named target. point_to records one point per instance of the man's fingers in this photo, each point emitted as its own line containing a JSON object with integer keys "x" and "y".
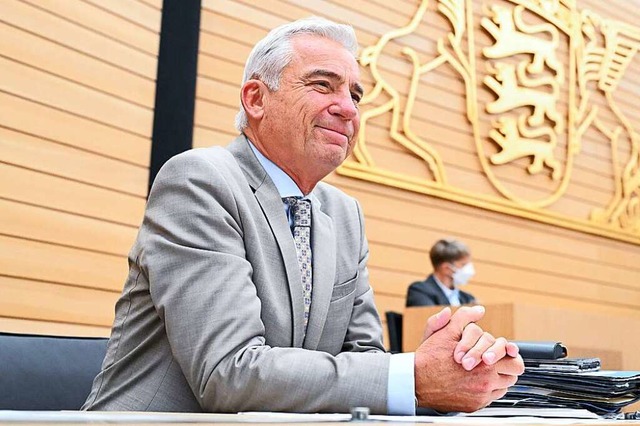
{"x": 475, "y": 355}
{"x": 437, "y": 322}
{"x": 495, "y": 352}
{"x": 510, "y": 366}
{"x": 512, "y": 350}
{"x": 465, "y": 316}
{"x": 470, "y": 336}
{"x": 497, "y": 394}
{"x": 506, "y": 380}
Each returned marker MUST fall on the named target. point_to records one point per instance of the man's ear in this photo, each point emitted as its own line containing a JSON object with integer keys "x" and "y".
{"x": 445, "y": 267}
{"x": 252, "y": 97}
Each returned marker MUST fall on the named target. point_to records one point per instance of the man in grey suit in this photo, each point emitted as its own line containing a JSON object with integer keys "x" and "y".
{"x": 233, "y": 303}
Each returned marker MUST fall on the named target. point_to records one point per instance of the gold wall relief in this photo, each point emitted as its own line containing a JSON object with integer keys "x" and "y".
{"x": 541, "y": 81}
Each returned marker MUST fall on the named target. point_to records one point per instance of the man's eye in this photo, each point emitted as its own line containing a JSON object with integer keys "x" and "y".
{"x": 323, "y": 84}
{"x": 356, "y": 98}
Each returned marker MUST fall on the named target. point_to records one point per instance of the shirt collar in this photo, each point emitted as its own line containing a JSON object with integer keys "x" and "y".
{"x": 284, "y": 184}
{"x": 449, "y": 292}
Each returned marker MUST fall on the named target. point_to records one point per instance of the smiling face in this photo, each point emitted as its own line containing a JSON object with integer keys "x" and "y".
{"x": 310, "y": 124}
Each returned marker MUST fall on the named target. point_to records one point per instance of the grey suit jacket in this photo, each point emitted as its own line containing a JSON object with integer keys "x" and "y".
{"x": 429, "y": 293}
{"x": 211, "y": 315}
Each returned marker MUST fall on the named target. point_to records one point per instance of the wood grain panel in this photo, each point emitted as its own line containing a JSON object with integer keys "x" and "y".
{"x": 23, "y": 299}
{"x": 13, "y": 325}
{"x": 402, "y": 206}
{"x": 58, "y": 193}
{"x": 33, "y": 84}
{"x": 95, "y": 18}
{"x": 156, "y": 4}
{"x": 64, "y": 161}
{"x": 77, "y": 83}
{"x": 243, "y": 32}
{"x": 51, "y": 226}
{"x": 516, "y": 255}
{"x": 18, "y": 114}
{"x": 28, "y": 48}
{"x": 206, "y": 137}
{"x": 214, "y": 116}
{"x": 222, "y": 47}
{"x": 237, "y": 10}
{"x": 139, "y": 13}
{"x": 44, "y": 24}
{"x": 52, "y": 263}
{"x": 514, "y": 276}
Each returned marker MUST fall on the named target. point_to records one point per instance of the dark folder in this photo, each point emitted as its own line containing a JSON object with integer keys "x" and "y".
{"x": 541, "y": 350}
{"x": 553, "y": 381}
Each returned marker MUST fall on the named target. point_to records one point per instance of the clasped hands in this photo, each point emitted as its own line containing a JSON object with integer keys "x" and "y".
{"x": 460, "y": 367}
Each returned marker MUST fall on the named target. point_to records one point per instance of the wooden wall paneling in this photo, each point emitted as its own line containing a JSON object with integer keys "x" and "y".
{"x": 207, "y": 137}
{"x": 489, "y": 293}
{"x": 64, "y": 161}
{"x": 507, "y": 272}
{"x": 623, "y": 11}
{"x": 242, "y": 32}
{"x": 15, "y": 325}
{"x": 156, "y": 4}
{"x": 427, "y": 213}
{"x": 38, "y": 261}
{"x": 94, "y": 17}
{"x": 58, "y": 193}
{"x": 33, "y": 84}
{"x": 47, "y": 25}
{"x": 77, "y": 83}
{"x": 220, "y": 69}
{"x": 223, "y": 47}
{"x": 390, "y": 303}
{"x": 29, "y": 49}
{"x": 237, "y": 10}
{"x": 63, "y": 127}
{"x": 214, "y": 116}
{"x": 217, "y": 91}
{"x": 51, "y": 226}
{"x": 405, "y": 8}
{"x": 136, "y": 12}
{"x": 402, "y": 207}
{"x": 56, "y": 302}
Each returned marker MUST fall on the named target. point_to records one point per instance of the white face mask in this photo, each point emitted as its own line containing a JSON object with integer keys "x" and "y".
{"x": 461, "y": 276}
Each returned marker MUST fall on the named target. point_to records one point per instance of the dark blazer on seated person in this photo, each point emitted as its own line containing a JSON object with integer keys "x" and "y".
{"x": 429, "y": 293}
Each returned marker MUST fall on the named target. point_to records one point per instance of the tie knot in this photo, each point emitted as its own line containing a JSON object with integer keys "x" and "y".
{"x": 300, "y": 210}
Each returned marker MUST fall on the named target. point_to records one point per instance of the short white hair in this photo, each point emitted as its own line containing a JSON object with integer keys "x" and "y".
{"x": 273, "y": 53}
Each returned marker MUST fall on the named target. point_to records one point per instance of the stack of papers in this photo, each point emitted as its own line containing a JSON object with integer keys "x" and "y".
{"x": 601, "y": 392}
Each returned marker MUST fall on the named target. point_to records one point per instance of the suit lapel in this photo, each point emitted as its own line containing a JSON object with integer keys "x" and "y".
{"x": 271, "y": 204}
{"x": 442, "y": 298}
{"x": 323, "y": 246}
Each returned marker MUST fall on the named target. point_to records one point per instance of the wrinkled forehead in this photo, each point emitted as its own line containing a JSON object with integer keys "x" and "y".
{"x": 313, "y": 54}
{"x": 313, "y": 48}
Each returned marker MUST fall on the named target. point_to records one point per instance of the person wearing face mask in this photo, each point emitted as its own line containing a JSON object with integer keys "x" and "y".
{"x": 452, "y": 269}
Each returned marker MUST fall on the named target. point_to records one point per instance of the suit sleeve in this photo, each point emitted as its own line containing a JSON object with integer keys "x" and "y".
{"x": 201, "y": 286}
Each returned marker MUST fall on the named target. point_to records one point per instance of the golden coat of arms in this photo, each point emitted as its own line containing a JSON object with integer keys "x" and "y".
{"x": 537, "y": 112}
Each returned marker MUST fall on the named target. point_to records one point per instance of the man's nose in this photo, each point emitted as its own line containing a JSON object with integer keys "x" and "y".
{"x": 344, "y": 106}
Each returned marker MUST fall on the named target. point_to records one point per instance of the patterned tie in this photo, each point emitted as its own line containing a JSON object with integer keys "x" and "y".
{"x": 301, "y": 213}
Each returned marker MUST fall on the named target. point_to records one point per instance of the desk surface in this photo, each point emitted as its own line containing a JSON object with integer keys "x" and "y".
{"x": 58, "y": 418}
